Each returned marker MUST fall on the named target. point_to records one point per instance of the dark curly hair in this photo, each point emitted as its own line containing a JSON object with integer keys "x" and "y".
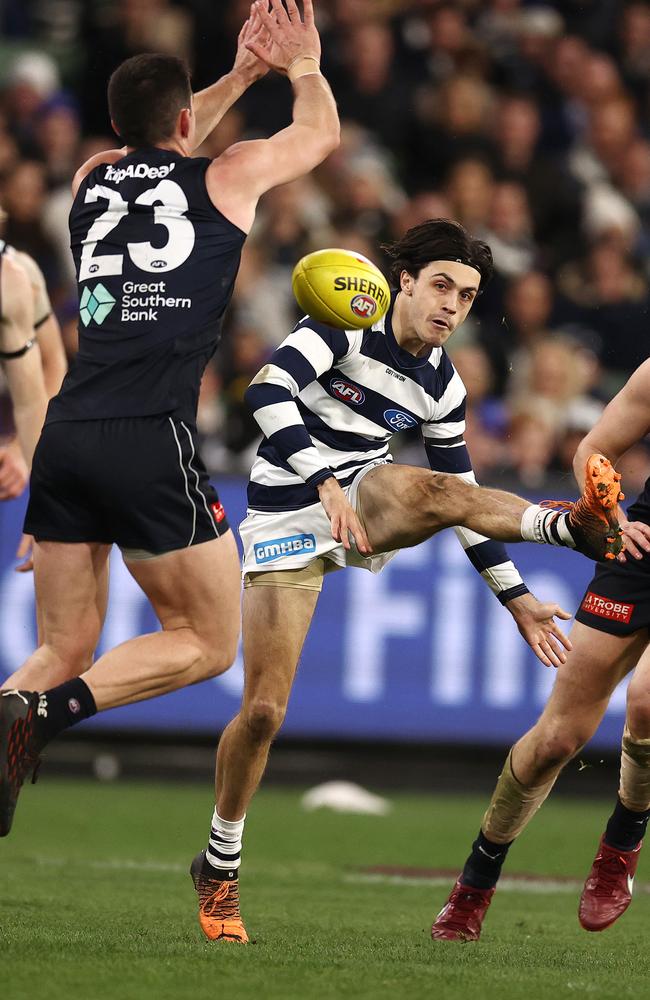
{"x": 438, "y": 239}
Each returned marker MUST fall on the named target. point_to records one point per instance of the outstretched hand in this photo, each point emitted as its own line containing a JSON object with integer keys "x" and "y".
{"x": 253, "y": 33}
{"x": 343, "y": 519}
{"x": 537, "y": 626}
{"x": 288, "y": 36}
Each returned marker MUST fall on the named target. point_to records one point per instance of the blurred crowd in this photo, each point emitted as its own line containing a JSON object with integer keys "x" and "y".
{"x": 527, "y": 122}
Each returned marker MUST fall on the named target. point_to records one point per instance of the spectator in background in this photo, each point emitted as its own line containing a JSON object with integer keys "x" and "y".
{"x": 23, "y": 197}
{"x": 59, "y": 137}
{"x": 553, "y": 195}
{"x": 610, "y": 294}
{"x": 365, "y": 88}
{"x": 510, "y": 230}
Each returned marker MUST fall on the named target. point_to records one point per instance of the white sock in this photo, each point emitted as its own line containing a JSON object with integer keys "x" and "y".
{"x": 224, "y": 846}
{"x": 546, "y": 526}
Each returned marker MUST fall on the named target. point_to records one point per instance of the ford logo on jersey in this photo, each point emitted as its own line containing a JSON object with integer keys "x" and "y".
{"x": 347, "y": 392}
{"x": 277, "y": 548}
{"x": 398, "y": 420}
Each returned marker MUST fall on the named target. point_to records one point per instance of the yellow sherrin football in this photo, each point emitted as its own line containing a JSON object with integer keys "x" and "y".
{"x": 340, "y": 288}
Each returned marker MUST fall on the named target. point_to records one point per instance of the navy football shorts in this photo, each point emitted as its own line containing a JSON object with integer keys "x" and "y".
{"x": 137, "y": 482}
{"x": 617, "y": 600}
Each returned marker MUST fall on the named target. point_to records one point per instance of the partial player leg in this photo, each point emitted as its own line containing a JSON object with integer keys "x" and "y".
{"x": 403, "y": 505}
{"x": 70, "y": 619}
{"x": 581, "y": 693}
{"x": 195, "y": 593}
{"x": 276, "y": 622}
{"x": 607, "y": 891}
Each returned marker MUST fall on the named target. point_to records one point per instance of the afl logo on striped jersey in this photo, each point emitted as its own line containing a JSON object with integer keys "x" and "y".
{"x": 347, "y": 392}
{"x": 363, "y": 306}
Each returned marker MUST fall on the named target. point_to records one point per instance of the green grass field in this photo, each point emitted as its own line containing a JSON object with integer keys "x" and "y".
{"x": 96, "y": 903}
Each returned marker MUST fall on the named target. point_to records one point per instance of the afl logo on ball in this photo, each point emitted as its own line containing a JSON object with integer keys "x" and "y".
{"x": 363, "y": 306}
{"x": 347, "y": 392}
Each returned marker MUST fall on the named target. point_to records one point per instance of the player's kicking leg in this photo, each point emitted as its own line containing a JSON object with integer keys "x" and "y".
{"x": 583, "y": 687}
{"x": 195, "y": 593}
{"x": 608, "y": 889}
{"x": 275, "y": 622}
{"x": 403, "y": 505}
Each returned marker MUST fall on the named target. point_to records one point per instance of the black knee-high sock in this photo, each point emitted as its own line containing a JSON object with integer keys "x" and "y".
{"x": 62, "y": 707}
{"x": 483, "y": 866}
{"x": 626, "y": 828}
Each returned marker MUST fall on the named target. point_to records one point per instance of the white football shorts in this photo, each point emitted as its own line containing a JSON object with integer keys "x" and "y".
{"x": 291, "y": 539}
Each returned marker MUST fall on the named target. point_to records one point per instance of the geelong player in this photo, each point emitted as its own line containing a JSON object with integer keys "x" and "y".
{"x": 328, "y": 403}
{"x": 156, "y": 237}
{"x": 14, "y": 471}
{"x": 13, "y": 468}
{"x": 609, "y": 639}
{"x": 21, "y": 363}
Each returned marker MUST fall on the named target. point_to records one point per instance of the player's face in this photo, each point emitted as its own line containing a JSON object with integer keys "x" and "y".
{"x": 439, "y": 299}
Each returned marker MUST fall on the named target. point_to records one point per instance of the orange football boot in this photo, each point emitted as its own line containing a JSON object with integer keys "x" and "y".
{"x": 593, "y": 520}
{"x": 219, "y": 914}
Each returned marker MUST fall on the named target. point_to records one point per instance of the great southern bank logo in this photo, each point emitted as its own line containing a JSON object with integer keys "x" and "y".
{"x": 96, "y": 303}
{"x": 398, "y": 420}
{"x": 276, "y": 548}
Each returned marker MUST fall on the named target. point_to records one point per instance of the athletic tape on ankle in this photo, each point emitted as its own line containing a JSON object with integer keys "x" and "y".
{"x": 512, "y": 806}
{"x": 634, "y": 786}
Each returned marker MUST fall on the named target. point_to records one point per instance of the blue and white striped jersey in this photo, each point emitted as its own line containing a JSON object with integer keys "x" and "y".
{"x": 330, "y": 400}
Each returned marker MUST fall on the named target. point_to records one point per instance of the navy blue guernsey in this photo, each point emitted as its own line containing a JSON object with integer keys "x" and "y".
{"x": 640, "y": 509}
{"x": 156, "y": 263}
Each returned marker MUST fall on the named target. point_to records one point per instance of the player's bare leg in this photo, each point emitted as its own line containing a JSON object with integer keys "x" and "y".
{"x": 583, "y": 687}
{"x": 195, "y": 593}
{"x": 607, "y": 892}
{"x": 70, "y": 618}
{"x": 276, "y": 622}
{"x": 403, "y": 505}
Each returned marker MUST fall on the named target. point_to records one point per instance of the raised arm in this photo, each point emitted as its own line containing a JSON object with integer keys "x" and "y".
{"x": 624, "y": 422}
{"x": 210, "y": 104}
{"x": 238, "y": 178}
{"x": 20, "y": 357}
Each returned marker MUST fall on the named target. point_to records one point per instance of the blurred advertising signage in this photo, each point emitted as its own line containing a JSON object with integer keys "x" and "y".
{"x": 420, "y": 652}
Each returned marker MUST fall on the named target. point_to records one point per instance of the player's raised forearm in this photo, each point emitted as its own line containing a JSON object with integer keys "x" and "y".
{"x": 315, "y": 113}
{"x": 211, "y": 104}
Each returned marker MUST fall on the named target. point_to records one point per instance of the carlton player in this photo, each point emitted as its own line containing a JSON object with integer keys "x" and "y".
{"x": 328, "y": 402}
{"x": 610, "y": 639}
{"x": 156, "y": 237}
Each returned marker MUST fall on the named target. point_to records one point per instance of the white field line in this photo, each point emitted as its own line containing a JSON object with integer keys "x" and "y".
{"x": 540, "y": 886}
{"x": 117, "y": 865}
